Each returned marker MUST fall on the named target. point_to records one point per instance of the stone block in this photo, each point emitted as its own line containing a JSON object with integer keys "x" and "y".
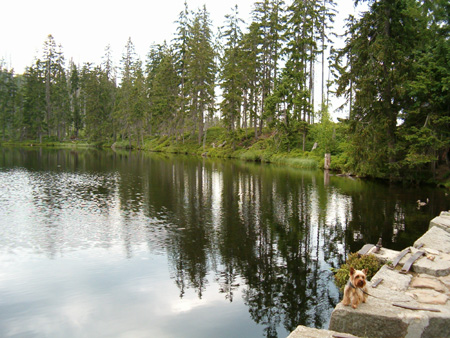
{"x": 427, "y": 283}
{"x": 410, "y": 305}
{"x": 435, "y": 238}
{"x": 369, "y": 320}
{"x": 439, "y": 267}
{"x": 442, "y": 221}
{"x": 437, "y": 327}
{"x": 378, "y": 318}
{"x": 393, "y": 279}
{"x": 308, "y": 332}
{"x": 428, "y": 296}
{"x": 388, "y": 255}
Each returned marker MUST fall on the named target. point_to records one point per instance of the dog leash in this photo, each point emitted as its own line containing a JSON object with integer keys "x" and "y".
{"x": 403, "y": 306}
{"x": 366, "y": 293}
{"x": 393, "y": 304}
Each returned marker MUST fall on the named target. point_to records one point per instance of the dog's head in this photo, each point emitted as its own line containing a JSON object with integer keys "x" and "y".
{"x": 358, "y": 277}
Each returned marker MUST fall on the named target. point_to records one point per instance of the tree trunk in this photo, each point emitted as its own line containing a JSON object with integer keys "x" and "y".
{"x": 200, "y": 127}
{"x": 304, "y": 141}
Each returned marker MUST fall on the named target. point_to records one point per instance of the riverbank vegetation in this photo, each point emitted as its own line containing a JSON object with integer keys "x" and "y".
{"x": 249, "y": 91}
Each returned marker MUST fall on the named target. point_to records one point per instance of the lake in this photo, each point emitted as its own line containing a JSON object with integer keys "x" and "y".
{"x": 97, "y": 243}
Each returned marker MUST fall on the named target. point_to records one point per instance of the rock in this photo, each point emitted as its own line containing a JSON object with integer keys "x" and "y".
{"x": 369, "y": 320}
{"x": 435, "y": 238}
{"x": 392, "y": 279}
{"x": 431, "y": 251}
{"x": 429, "y": 296}
{"x": 442, "y": 221}
{"x": 308, "y": 332}
{"x": 388, "y": 255}
{"x": 437, "y": 327}
{"x": 446, "y": 281}
{"x": 378, "y": 318}
{"x": 424, "y": 292}
{"x": 438, "y": 267}
{"x": 427, "y": 283}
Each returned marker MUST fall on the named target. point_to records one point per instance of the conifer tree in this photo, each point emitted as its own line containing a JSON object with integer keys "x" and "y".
{"x": 110, "y": 88}
{"x": 250, "y": 67}
{"x": 181, "y": 51}
{"x": 56, "y": 91}
{"x": 267, "y": 15}
{"x": 75, "y": 102}
{"x": 379, "y": 46}
{"x": 8, "y": 93}
{"x": 95, "y": 100}
{"x": 164, "y": 93}
{"x": 139, "y": 104}
{"x": 200, "y": 71}
{"x": 124, "y": 106}
{"x": 305, "y": 24}
{"x": 425, "y": 131}
{"x": 34, "y": 93}
{"x": 232, "y": 74}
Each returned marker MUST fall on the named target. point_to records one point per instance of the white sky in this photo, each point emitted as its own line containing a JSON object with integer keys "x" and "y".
{"x": 85, "y": 27}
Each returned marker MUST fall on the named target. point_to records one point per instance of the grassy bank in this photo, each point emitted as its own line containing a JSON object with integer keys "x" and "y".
{"x": 219, "y": 143}
{"x": 49, "y": 142}
{"x": 243, "y": 145}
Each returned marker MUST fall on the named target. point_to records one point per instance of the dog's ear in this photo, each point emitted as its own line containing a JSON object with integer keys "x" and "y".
{"x": 352, "y": 271}
{"x": 365, "y": 271}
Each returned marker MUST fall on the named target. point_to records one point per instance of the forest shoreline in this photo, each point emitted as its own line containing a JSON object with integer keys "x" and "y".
{"x": 218, "y": 144}
{"x": 392, "y": 73}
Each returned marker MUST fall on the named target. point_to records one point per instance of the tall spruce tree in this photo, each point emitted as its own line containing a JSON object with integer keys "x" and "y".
{"x": 8, "y": 93}
{"x": 34, "y": 93}
{"x": 110, "y": 88}
{"x": 74, "y": 99}
{"x": 96, "y": 104}
{"x": 139, "y": 104}
{"x": 56, "y": 90}
{"x": 163, "y": 91}
{"x": 250, "y": 69}
{"x": 232, "y": 75}
{"x": 200, "y": 71}
{"x": 379, "y": 46}
{"x": 425, "y": 132}
{"x": 124, "y": 107}
{"x": 267, "y": 15}
{"x": 305, "y": 27}
{"x": 181, "y": 52}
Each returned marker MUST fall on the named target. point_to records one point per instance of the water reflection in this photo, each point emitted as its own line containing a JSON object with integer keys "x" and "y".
{"x": 262, "y": 238}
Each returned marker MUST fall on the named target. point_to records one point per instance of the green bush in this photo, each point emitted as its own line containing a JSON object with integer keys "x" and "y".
{"x": 358, "y": 262}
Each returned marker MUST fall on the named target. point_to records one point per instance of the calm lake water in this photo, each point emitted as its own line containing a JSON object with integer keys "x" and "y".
{"x": 126, "y": 244}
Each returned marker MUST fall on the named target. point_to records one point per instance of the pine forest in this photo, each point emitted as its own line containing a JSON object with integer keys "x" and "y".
{"x": 249, "y": 90}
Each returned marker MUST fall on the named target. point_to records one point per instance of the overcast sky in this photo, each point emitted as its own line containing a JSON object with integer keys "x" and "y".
{"x": 85, "y": 27}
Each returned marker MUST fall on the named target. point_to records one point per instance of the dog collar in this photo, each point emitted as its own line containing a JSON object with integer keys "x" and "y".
{"x": 351, "y": 284}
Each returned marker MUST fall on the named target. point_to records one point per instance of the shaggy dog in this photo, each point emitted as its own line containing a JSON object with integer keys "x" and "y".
{"x": 355, "y": 291}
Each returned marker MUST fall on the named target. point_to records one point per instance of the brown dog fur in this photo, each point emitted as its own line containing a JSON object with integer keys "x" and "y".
{"x": 355, "y": 291}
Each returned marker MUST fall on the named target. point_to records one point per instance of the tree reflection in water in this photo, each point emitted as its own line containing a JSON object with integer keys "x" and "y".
{"x": 268, "y": 233}
{"x": 264, "y": 230}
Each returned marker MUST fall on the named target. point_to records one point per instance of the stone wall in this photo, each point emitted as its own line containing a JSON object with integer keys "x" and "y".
{"x": 414, "y": 304}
